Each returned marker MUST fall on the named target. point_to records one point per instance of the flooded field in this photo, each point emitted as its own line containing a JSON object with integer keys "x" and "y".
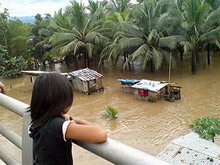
{"x": 146, "y": 126}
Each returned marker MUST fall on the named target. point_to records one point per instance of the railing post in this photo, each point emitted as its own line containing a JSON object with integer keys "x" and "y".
{"x": 27, "y": 143}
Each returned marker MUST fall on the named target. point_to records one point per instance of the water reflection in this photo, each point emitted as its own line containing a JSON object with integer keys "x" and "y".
{"x": 143, "y": 125}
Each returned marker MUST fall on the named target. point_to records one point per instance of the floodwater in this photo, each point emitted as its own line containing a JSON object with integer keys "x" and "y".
{"x": 146, "y": 126}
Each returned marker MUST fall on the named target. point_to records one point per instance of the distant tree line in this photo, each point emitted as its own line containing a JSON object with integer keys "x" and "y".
{"x": 103, "y": 32}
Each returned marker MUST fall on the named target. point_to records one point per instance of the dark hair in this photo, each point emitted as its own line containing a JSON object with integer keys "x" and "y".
{"x": 52, "y": 94}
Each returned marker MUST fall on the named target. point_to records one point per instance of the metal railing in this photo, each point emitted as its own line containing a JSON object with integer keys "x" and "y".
{"x": 111, "y": 150}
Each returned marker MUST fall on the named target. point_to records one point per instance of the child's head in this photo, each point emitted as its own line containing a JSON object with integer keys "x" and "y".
{"x": 52, "y": 94}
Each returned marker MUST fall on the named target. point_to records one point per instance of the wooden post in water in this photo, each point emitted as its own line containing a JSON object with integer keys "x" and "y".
{"x": 169, "y": 74}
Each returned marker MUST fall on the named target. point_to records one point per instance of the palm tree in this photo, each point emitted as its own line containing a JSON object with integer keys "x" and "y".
{"x": 81, "y": 36}
{"x": 198, "y": 27}
{"x": 148, "y": 38}
{"x": 97, "y": 7}
{"x": 119, "y": 12}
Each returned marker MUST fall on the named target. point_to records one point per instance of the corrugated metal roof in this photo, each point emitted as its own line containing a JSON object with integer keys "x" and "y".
{"x": 150, "y": 85}
{"x": 86, "y": 74}
{"x": 191, "y": 150}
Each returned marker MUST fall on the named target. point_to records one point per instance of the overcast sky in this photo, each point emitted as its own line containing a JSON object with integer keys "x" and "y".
{"x": 19, "y": 8}
{"x": 32, "y": 7}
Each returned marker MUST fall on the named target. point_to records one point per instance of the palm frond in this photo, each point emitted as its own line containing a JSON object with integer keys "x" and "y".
{"x": 147, "y": 56}
{"x": 217, "y": 43}
{"x": 187, "y": 46}
{"x": 213, "y": 19}
{"x": 58, "y": 38}
{"x": 44, "y": 32}
{"x": 139, "y": 52}
{"x": 79, "y": 45}
{"x": 153, "y": 35}
{"x": 45, "y": 41}
{"x": 211, "y": 35}
{"x": 89, "y": 48}
{"x": 65, "y": 50}
{"x": 55, "y": 52}
{"x": 114, "y": 53}
{"x": 105, "y": 52}
{"x": 169, "y": 42}
{"x": 130, "y": 44}
{"x": 157, "y": 58}
{"x": 131, "y": 29}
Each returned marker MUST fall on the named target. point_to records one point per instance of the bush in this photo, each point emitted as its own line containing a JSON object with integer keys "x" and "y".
{"x": 10, "y": 66}
{"x": 151, "y": 98}
{"x": 207, "y": 127}
{"x": 111, "y": 111}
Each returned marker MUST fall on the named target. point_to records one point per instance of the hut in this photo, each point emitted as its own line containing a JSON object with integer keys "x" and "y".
{"x": 126, "y": 85}
{"x": 86, "y": 81}
{"x": 149, "y": 90}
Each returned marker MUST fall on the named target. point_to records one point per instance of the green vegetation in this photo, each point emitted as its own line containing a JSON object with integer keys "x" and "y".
{"x": 207, "y": 127}
{"x": 151, "y": 98}
{"x": 106, "y": 32}
{"x": 11, "y": 66}
{"x": 111, "y": 112}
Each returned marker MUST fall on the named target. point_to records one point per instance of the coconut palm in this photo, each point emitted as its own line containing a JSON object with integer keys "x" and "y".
{"x": 97, "y": 7}
{"x": 119, "y": 11}
{"x": 119, "y": 5}
{"x": 199, "y": 26}
{"x": 148, "y": 39}
{"x": 83, "y": 34}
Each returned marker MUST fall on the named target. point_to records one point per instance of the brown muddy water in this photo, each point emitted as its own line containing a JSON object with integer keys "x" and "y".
{"x": 146, "y": 126}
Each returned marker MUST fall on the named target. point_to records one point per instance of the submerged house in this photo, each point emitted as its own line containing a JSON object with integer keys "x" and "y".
{"x": 86, "y": 81}
{"x": 126, "y": 85}
{"x": 150, "y": 90}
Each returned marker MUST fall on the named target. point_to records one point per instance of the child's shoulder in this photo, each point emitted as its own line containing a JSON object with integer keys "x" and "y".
{"x": 56, "y": 121}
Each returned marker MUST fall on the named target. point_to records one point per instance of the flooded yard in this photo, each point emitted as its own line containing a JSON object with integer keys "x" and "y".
{"x": 144, "y": 125}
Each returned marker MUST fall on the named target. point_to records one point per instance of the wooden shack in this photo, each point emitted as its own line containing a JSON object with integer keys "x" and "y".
{"x": 149, "y": 90}
{"x": 87, "y": 81}
{"x": 126, "y": 85}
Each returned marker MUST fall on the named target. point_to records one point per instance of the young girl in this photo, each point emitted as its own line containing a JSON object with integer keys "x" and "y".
{"x": 52, "y": 128}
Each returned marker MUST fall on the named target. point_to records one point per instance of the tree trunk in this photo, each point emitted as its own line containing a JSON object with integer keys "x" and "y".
{"x": 68, "y": 60}
{"x": 152, "y": 66}
{"x": 181, "y": 54}
{"x": 193, "y": 62}
{"x": 86, "y": 56}
{"x": 208, "y": 54}
{"x": 124, "y": 57}
{"x": 75, "y": 62}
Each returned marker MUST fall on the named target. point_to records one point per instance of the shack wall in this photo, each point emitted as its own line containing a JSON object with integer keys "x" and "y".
{"x": 127, "y": 89}
{"x": 154, "y": 96}
{"x": 79, "y": 85}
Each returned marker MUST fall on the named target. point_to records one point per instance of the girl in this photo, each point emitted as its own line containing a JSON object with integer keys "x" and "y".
{"x": 52, "y": 128}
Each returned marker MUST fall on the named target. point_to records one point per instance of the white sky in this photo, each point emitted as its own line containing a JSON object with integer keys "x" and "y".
{"x": 19, "y": 8}
{"x": 32, "y": 7}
